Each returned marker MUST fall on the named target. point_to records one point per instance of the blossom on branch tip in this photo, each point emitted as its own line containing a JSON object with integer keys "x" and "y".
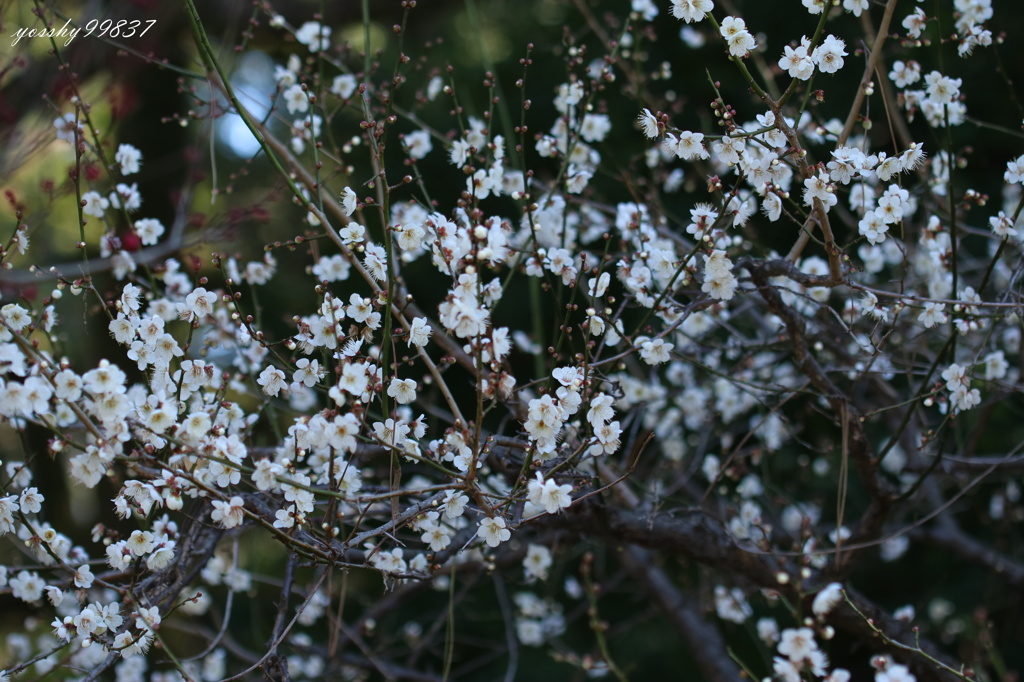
{"x": 649, "y": 124}
{"x": 737, "y": 37}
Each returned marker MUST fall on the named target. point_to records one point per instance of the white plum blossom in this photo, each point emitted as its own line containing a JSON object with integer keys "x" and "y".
{"x": 874, "y": 227}
{"x": 229, "y": 514}
{"x": 691, "y": 10}
{"x": 855, "y": 7}
{"x": 344, "y": 85}
{"x": 458, "y": 153}
{"x": 314, "y": 35}
{"x": 689, "y": 146}
{"x": 915, "y": 23}
{"x": 272, "y": 380}
{"x": 768, "y": 631}
{"x": 895, "y": 672}
{"x": 402, "y": 390}
{"x": 818, "y": 187}
{"x": 307, "y": 372}
{"x": 942, "y": 89}
{"x": 932, "y": 314}
{"x": 798, "y": 644}
{"x": 732, "y": 604}
{"x": 126, "y": 197}
{"x": 995, "y": 365}
{"x": 295, "y": 99}
{"x": 128, "y": 157}
{"x": 8, "y": 510}
{"x": 545, "y": 418}
{"x": 905, "y": 73}
{"x": 958, "y": 383}
{"x": 797, "y": 61}
{"x": 149, "y": 230}
{"x": 419, "y": 332}
{"x": 595, "y": 127}
{"x": 719, "y": 282}
{"x": 27, "y": 586}
{"x": 349, "y": 200}
{"x": 827, "y": 599}
{"x": 68, "y": 127}
{"x": 1002, "y": 226}
{"x": 737, "y": 37}
{"x": 537, "y": 562}
{"x": 649, "y": 124}
{"x": 656, "y": 351}
{"x": 828, "y": 56}
{"x": 94, "y": 204}
{"x": 493, "y": 531}
{"x": 198, "y": 304}
{"x": 1015, "y": 171}
{"x": 548, "y": 494}
{"x": 646, "y": 8}
{"x": 418, "y": 144}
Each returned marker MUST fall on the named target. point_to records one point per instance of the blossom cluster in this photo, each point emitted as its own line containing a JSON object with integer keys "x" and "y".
{"x": 591, "y": 347}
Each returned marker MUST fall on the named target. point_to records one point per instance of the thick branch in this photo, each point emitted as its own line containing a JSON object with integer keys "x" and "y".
{"x": 703, "y": 639}
{"x": 696, "y": 535}
{"x": 859, "y": 449}
{"x": 947, "y": 534}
